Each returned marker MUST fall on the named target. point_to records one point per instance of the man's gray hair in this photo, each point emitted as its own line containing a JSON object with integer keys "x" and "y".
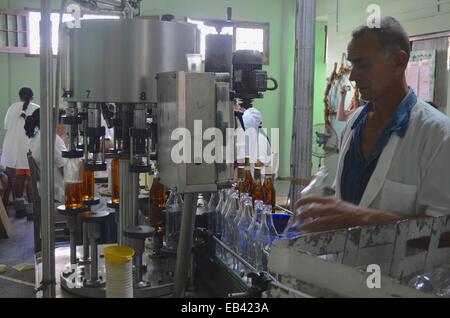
{"x": 391, "y": 35}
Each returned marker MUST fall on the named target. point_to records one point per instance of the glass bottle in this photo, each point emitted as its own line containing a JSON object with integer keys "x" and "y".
{"x": 230, "y": 214}
{"x": 248, "y": 181}
{"x": 262, "y": 242}
{"x": 269, "y": 189}
{"x": 157, "y": 202}
{"x": 212, "y": 204}
{"x": 73, "y": 184}
{"x": 88, "y": 183}
{"x": 252, "y": 229}
{"x": 267, "y": 210}
{"x": 315, "y": 188}
{"x": 259, "y": 208}
{"x": 223, "y": 210}
{"x": 241, "y": 202}
{"x": 243, "y": 226}
{"x": 173, "y": 212}
{"x": 257, "y": 190}
{"x": 115, "y": 176}
{"x": 240, "y": 181}
{"x": 219, "y": 205}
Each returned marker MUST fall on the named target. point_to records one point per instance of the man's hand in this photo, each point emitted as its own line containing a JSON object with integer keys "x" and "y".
{"x": 328, "y": 214}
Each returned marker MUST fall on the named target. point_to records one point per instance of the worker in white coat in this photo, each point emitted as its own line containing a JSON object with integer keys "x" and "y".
{"x": 395, "y": 150}
{"x": 15, "y": 146}
{"x": 32, "y": 128}
{"x": 256, "y": 142}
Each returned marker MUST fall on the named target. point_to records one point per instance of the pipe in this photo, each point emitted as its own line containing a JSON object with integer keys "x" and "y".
{"x": 301, "y": 156}
{"x": 47, "y": 154}
{"x": 184, "y": 245}
{"x": 58, "y": 65}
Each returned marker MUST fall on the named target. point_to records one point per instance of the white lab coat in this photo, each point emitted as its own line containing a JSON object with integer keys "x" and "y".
{"x": 412, "y": 176}
{"x": 35, "y": 148}
{"x": 15, "y": 144}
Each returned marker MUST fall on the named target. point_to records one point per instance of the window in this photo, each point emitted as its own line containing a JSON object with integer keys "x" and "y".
{"x": 13, "y": 31}
{"x": 35, "y": 18}
{"x": 247, "y": 36}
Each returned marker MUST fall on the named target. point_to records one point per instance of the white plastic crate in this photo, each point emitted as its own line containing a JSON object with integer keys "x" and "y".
{"x": 334, "y": 264}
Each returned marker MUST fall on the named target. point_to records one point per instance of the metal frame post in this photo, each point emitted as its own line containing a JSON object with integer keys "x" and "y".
{"x": 47, "y": 153}
{"x": 301, "y": 156}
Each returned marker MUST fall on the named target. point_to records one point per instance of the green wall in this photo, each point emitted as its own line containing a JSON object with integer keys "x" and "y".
{"x": 16, "y": 70}
{"x": 319, "y": 81}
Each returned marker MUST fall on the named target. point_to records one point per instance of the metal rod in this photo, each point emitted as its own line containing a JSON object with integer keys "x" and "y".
{"x": 72, "y": 225}
{"x": 126, "y": 212}
{"x": 135, "y": 197}
{"x": 58, "y": 63}
{"x": 301, "y": 158}
{"x": 85, "y": 242}
{"x": 94, "y": 260}
{"x": 184, "y": 245}
{"x": 138, "y": 265}
{"x": 47, "y": 154}
{"x": 234, "y": 254}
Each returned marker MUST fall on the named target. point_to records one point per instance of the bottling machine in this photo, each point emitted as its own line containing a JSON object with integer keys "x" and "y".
{"x": 134, "y": 73}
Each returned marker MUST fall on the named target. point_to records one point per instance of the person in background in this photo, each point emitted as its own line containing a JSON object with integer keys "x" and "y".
{"x": 15, "y": 148}
{"x": 32, "y": 128}
{"x": 257, "y": 147}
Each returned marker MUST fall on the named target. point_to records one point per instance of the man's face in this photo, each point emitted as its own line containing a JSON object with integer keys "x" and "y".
{"x": 373, "y": 69}
{"x": 61, "y": 130}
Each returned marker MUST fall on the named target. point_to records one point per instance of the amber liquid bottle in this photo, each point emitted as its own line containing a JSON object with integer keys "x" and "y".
{"x": 240, "y": 182}
{"x": 88, "y": 184}
{"x": 73, "y": 195}
{"x": 257, "y": 189}
{"x": 248, "y": 177}
{"x": 157, "y": 202}
{"x": 115, "y": 181}
{"x": 269, "y": 189}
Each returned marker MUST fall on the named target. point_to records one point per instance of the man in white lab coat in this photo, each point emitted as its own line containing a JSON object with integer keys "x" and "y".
{"x": 395, "y": 150}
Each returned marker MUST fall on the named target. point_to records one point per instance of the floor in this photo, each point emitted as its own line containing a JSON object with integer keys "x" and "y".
{"x": 19, "y": 248}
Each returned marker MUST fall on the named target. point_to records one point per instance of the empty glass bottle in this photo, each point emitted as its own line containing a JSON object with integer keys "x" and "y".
{"x": 243, "y": 226}
{"x": 230, "y": 214}
{"x": 244, "y": 197}
{"x": 173, "y": 212}
{"x": 252, "y": 230}
{"x": 316, "y": 187}
{"x": 262, "y": 242}
{"x": 211, "y": 214}
{"x": 221, "y": 219}
{"x": 259, "y": 207}
{"x": 269, "y": 220}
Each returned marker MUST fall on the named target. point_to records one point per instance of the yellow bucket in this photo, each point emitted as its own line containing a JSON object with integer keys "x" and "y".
{"x": 118, "y": 254}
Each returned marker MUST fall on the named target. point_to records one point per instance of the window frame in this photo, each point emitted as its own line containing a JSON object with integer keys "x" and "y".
{"x": 265, "y": 26}
{"x": 4, "y": 28}
{"x": 28, "y": 10}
